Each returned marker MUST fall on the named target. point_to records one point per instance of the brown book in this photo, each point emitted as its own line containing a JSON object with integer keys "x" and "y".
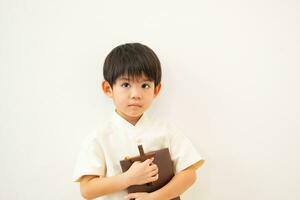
{"x": 164, "y": 163}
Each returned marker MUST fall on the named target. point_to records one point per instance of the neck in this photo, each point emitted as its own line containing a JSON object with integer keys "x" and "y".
{"x": 131, "y": 120}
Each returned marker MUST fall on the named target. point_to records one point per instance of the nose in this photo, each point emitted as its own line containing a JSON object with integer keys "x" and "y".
{"x": 135, "y": 93}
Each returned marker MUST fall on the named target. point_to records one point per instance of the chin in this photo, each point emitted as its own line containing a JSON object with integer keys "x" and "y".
{"x": 135, "y": 114}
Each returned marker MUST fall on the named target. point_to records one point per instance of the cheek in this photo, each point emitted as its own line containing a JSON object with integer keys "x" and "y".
{"x": 121, "y": 101}
{"x": 149, "y": 97}
{"x": 120, "y": 98}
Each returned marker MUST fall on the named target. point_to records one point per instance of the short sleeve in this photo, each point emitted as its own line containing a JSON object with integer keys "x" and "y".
{"x": 90, "y": 160}
{"x": 183, "y": 152}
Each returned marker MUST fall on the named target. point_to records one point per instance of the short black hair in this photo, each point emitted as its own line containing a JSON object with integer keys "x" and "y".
{"x": 132, "y": 60}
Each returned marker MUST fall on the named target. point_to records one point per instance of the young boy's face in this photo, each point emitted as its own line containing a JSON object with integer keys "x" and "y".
{"x": 131, "y": 97}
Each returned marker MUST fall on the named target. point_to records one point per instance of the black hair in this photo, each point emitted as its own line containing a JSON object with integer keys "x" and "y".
{"x": 132, "y": 60}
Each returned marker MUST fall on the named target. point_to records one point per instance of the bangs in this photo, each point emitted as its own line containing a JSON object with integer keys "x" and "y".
{"x": 132, "y": 61}
{"x": 135, "y": 67}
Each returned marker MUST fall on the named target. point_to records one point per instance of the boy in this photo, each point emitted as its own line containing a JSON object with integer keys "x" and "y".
{"x": 132, "y": 74}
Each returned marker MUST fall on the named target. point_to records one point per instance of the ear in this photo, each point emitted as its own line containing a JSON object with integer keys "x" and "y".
{"x": 157, "y": 89}
{"x": 107, "y": 89}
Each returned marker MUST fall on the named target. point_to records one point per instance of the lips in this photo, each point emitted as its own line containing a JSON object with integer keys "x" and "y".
{"x": 135, "y": 105}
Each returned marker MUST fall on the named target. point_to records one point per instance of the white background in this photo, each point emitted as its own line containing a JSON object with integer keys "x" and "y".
{"x": 230, "y": 79}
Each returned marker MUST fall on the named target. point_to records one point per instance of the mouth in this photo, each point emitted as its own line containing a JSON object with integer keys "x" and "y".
{"x": 135, "y": 105}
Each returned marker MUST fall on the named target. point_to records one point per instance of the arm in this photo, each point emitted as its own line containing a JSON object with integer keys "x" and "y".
{"x": 95, "y": 186}
{"x": 179, "y": 183}
{"x": 139, "y": 173}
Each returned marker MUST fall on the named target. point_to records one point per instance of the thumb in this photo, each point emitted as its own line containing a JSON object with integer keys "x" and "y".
{"x": 150, "y": 160}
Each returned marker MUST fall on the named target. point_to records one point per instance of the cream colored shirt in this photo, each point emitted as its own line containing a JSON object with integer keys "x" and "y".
{"x": 102, "y": 150}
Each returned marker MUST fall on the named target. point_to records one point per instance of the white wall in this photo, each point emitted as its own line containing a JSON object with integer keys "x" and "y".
{"x": 230, "y": 80}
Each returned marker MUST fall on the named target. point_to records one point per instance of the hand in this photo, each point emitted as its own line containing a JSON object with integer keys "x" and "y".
{"x": 139, "y": 196}
{"x": 142, "y": 172}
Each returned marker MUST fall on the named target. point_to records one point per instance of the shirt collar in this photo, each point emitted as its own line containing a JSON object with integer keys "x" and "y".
{"x": 123, "y": 123}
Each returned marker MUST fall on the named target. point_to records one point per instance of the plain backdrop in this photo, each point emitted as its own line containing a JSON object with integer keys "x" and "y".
{"x": 230, "y": 80}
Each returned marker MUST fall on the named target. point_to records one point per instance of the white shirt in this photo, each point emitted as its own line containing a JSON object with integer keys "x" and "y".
{"x": 102, "y": 150}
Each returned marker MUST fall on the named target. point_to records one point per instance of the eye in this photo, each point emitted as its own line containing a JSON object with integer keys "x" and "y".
{"x": 125, "y": 85}
{"x": 145, "y": 85}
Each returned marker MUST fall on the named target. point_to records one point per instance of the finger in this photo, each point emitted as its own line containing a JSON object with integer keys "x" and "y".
{"x": 153, "y": 178}
{"x": 153, "y": 167}
{"x": 149, "y": 161}
{"x": 154, "y": 172}
{"x": 152, "y": 159}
